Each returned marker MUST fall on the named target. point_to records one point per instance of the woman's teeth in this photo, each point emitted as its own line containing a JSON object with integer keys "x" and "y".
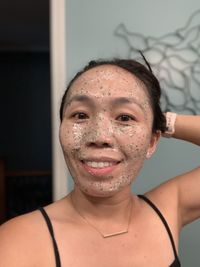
{"x": 94, "y": 164}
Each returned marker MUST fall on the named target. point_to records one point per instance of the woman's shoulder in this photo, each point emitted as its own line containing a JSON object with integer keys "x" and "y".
{"x": 165, "y": 197}
{"x": 24, "y": 240}
{"x": 20, "y": 226}
{"x": 30, "y": 222}
{"x": 18, "y": 238}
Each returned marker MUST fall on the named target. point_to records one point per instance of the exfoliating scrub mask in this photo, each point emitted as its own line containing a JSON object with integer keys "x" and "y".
{"x": 106, "y": 131}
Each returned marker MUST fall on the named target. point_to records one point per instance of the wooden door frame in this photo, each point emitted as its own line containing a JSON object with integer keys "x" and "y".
{"x": 58, "y": 84}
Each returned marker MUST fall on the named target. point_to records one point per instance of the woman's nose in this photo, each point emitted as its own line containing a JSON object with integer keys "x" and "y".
{"x": 100, "y": 134}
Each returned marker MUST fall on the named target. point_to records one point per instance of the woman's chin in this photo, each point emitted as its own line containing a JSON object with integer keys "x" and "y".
{"x": 99, "y": 192}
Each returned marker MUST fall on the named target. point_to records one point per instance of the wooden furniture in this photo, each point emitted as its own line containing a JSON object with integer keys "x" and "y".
{"x": 23, "y": 191}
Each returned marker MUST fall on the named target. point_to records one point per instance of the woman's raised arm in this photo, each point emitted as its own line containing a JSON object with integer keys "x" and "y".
{"x": 187, "y": 127}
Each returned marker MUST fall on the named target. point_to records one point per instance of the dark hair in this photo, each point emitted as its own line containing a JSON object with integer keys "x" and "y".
{"x": 145, "y": 75}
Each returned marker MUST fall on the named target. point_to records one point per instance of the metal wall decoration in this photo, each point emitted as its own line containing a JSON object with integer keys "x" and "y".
{"x": 175, "y": 60}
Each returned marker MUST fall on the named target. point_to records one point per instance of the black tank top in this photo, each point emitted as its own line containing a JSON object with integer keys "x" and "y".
{"x": 176, "y": 262}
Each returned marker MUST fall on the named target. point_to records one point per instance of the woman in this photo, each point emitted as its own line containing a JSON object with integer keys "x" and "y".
{"x": 111, "y": 123}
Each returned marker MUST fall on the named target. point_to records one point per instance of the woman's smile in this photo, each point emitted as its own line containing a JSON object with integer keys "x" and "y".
{"x": 99, "y": 168}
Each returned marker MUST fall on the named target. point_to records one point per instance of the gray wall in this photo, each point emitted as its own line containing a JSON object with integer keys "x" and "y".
{"x": 90, "y": 34}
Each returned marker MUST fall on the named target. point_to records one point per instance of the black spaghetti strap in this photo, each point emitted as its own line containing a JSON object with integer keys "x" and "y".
{"x": 164, "y": 222}
{"x": 50, "y": 227}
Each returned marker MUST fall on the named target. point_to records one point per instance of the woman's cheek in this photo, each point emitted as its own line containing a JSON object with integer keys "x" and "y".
{"x": 135, "y": 140}
{"x": 73, "y": 139}
{"x": 77, "y": 134}
{"x": 69, "y": 137}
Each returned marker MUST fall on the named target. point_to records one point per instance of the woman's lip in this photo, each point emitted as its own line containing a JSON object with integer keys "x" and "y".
{"x": 95, "y": 171}
{"x": 100, "y": 159}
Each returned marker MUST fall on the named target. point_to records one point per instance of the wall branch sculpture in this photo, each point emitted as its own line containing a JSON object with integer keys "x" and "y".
{"x": 175, "y": 60}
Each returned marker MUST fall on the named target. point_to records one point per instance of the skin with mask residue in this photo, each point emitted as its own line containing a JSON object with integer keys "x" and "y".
{"x": 107, "y": 118}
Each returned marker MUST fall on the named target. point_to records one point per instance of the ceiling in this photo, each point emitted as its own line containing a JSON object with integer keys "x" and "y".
{"x": 24, "y": 25}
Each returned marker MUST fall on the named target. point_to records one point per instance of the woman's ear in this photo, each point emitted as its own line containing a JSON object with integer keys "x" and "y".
{"x": 153, "y": 144}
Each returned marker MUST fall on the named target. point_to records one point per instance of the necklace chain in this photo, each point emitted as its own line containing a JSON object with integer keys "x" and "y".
{"x": 94, "y": 227}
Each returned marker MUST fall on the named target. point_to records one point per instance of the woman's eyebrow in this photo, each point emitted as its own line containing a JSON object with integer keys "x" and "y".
{"x": 116, "y": 101}
{"x": 80, "y": 98}
{"x": 126, "y": 100}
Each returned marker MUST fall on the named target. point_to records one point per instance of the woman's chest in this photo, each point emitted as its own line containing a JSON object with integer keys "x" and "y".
{"x": 136, "y": 250}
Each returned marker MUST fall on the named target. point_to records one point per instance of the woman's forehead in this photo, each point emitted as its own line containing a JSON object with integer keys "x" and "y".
{"x": 108, "y": 80}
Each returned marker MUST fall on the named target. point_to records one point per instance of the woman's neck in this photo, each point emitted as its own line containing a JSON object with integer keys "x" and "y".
{"x": 107, "y": 214}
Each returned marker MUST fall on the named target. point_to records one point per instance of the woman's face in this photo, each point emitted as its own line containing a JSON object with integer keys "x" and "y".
{"x": 106, "y": 131}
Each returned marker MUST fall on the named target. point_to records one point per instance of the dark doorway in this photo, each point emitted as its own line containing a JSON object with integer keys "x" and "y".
{"x": 25, "y": 136}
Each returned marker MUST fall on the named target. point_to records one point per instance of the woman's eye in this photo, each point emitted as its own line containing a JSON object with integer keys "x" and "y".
{"x": 125, "y": 118}
{"x": 80, "y": 116}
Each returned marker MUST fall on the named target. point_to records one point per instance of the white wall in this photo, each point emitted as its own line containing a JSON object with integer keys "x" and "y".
{"x": 90, "y": 26}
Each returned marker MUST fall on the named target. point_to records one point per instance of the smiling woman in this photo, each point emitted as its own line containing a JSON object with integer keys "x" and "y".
{"x": 111, "y": 123}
